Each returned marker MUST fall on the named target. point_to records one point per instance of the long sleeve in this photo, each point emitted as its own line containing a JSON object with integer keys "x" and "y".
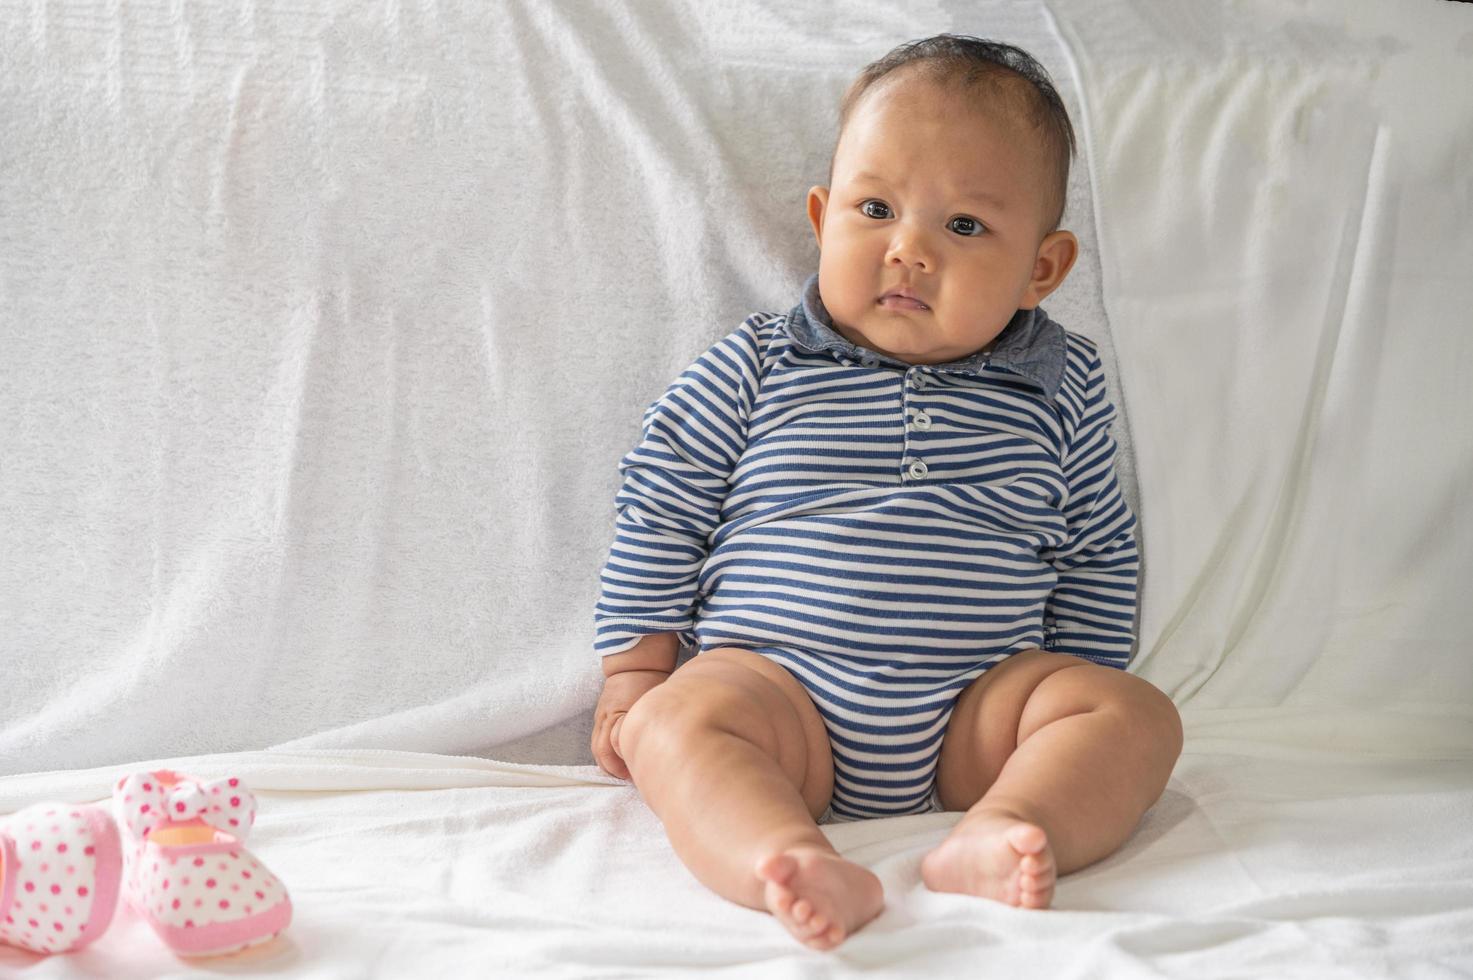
{"x": 1091, "y": 612}
{"x": 673, "y": 486}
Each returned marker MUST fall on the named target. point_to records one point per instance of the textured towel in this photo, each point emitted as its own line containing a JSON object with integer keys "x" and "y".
{"x": 319, "y": 367}
{"x": 320, "y": 359}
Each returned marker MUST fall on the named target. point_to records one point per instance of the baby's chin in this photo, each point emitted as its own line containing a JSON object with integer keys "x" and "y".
{"x": 908, "y": 350}
{"x": 903, "y": 342}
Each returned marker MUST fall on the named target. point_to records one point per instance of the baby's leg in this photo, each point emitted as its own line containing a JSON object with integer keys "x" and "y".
{"x": 1055, "y": 760}
{"x": 733, "y": 758}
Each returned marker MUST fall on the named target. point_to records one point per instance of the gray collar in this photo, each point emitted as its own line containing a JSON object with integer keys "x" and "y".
{"x": 1031, "y": 346}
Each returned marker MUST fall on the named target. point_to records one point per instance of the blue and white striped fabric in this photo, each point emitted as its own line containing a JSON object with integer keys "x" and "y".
{"x": 885, "y": 531}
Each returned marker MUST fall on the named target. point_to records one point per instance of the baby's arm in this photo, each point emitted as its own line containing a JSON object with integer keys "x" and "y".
{"x": 1091, "y": 611}
{"x": 674, "y": 484}
{"x": 669, "y": 502}
{"x": 627, "y": 676}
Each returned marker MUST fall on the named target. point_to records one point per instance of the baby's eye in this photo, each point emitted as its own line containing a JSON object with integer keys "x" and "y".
{"x": 875, "y": 209}
{"x": 963, "y": 225}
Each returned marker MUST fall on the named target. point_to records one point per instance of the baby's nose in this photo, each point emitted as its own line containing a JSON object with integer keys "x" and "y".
{"x": 910, "y": 249}
{"x": 910, "y": 257}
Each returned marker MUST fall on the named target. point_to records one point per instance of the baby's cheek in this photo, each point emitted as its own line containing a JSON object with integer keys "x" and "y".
{"x": 845, "y": 290}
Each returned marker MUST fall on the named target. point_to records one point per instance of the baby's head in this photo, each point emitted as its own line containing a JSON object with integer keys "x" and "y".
{"x": 948, "y": 181}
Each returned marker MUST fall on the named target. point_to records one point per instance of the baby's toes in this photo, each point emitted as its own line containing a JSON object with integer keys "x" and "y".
{"x": 1035, "y": 891}
{"x": 1037, "y": 899}
{"x": 824, "y": 941}
{"x": 802, "y": 909}
{"x": 820, "y": 933}
{"x": 777, "y": 868}
{"x": 780, "y": 900}
{"x": 1027, "y": 839}
{"x": 1036, "y": 867}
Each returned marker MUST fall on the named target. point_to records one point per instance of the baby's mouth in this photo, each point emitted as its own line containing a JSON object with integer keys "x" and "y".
{"x": 899, "y": 301}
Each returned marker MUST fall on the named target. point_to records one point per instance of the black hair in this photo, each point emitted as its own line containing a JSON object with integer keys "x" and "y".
{"x": 975, "y": 63}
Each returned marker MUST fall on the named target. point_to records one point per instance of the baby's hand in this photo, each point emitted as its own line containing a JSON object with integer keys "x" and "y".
{"x": 620, "y": 692}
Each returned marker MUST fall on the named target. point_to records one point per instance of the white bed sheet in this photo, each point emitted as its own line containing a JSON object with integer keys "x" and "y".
{"x": 1259, "y": 861}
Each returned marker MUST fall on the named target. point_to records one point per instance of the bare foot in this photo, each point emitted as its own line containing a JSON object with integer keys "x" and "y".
{"x": 996, "y": 855}
{"x": 819, "y": 896}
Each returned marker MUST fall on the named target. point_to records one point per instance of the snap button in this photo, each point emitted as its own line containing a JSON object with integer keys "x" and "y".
{"x": 917, "y": 469}
{"x": 919, "y": 381}
{"x": 869, "y": 360}
{"x": 922, "y": 421}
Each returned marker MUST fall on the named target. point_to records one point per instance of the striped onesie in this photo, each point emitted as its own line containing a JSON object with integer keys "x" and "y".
{"x": 885, "y": 531}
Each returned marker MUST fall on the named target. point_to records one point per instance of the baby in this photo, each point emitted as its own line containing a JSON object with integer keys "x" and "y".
{"x": 889, "y": 522}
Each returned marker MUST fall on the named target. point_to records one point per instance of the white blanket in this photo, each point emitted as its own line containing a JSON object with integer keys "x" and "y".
{"x": 1284, "y": 229}
{"x": 319, "y": 372}
{"x": 324, "y": 328}
{"x": 1259, "y": 861}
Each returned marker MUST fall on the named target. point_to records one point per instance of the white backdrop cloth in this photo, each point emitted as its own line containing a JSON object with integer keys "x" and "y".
{"x": 327, "y": 325}
{"x": 324, "y": 328}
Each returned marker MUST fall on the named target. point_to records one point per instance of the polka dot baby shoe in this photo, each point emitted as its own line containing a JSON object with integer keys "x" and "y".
{"x": 185, "y": 868}
{"x": 60, "y": 865}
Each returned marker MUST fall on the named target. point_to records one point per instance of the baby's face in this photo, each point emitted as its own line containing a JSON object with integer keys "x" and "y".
{"x": 933, "y": 196}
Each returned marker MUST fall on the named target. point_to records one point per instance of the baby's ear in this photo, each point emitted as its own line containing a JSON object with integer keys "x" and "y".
{"x": 1056, "y": 255}
{"x": 818, "y": 203}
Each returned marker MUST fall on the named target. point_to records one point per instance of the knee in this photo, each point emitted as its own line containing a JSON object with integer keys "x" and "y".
{"x": 1153, "y": 715}
{"x": 667, "y": 720}
{"x": 646, "y": 724}
{"x": 1168, "y": 718}
{"x": 1143, "y": 709}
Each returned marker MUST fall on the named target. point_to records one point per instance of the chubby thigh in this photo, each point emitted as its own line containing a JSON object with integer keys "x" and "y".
{"x": 738, "y": 691}
{"x": 1004, "y": 707}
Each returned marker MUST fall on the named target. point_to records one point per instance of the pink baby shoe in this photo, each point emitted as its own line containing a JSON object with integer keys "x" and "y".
{"x": 60, "y": 865}
{"x": 185, "y": 869}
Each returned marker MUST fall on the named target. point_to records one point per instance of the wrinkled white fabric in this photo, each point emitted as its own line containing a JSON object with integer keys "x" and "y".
{"x": 1285, "y": 243}
{"x": 321, "y": 358}
{"x": 1256, "y": 862}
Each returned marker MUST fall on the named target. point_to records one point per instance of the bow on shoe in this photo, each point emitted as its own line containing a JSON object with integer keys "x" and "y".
{"x": 144, "y": 803}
